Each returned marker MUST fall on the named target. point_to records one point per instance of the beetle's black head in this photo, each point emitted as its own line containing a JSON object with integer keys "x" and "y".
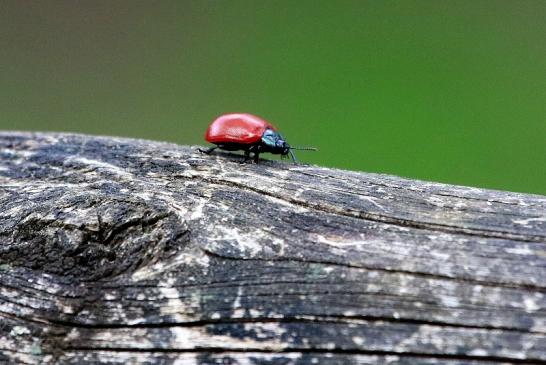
{"x": 283, "y": 147}
{"x": 275, "y": 143}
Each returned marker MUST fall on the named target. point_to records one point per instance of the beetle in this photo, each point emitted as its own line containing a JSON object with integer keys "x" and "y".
{"x": 248, "y": 133}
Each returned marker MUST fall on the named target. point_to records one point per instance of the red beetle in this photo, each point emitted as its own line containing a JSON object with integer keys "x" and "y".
{"x": 249, "y": 133}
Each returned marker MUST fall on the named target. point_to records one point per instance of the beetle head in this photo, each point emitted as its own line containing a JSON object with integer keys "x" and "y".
{"x": 275, "y": 143}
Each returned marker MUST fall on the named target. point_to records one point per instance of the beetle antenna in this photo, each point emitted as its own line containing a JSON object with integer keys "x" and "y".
{"x": 304, "y": 148}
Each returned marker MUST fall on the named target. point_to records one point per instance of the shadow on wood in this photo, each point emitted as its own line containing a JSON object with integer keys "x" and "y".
{"x": 131, "y": 251}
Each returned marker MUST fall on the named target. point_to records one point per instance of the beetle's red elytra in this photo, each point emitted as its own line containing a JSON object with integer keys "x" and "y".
{"x": 237, "y": 128}
{"x": 248, "y": 133}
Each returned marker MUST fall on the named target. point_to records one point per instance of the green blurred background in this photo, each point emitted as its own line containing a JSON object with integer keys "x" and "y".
{"x": 451, "y": 91}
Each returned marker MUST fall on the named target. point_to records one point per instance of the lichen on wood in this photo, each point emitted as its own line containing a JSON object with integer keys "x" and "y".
{"x": 130, "y": 251}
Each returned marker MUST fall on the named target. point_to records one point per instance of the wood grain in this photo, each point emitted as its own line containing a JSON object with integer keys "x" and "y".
{"x": 131, "y": 251}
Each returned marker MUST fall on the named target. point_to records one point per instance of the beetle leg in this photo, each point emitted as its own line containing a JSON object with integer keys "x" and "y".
{"x": 293, "y": 158}
{"x": 256, "y": 149}
{"x": 247, "y": 156}
{"x": 208, "y": 150}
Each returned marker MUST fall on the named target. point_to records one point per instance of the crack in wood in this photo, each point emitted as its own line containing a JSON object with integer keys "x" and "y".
{"x": 531, "y": 288}
{"x": 386, "y": 219}
{"x": 412, "y": 355}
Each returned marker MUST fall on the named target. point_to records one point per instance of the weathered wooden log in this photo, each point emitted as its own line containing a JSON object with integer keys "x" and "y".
{"x": 130, "y": 251}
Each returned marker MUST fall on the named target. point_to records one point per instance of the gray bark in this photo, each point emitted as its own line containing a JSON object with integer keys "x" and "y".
{"x": 129, "y": 251}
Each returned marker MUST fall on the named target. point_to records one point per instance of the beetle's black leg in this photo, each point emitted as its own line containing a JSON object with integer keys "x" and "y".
{"x": 247, "y": 156}
{"x": 293, "y": 158}
{"x": 208, "y": 150}
{"x": 256, "y": 149}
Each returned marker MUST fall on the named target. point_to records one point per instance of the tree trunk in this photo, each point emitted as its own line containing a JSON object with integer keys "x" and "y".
{"x": 129, "y": 251}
